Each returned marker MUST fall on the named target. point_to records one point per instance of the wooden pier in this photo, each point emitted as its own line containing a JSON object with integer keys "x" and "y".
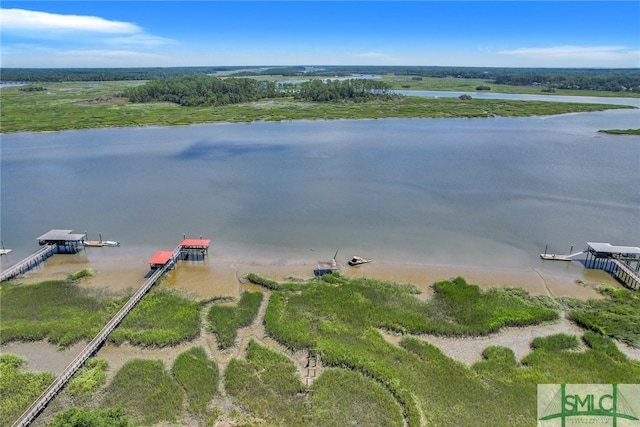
{"x": 32, "y": 412}
{"x": 158, "y": 269}
{"x": 28, "y": 263}
{"x": 622, "y": 262}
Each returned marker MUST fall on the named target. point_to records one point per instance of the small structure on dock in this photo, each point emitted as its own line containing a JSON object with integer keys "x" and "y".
{"x": 622, "y": 262}
{"x": 64, "y": 240}
{"x": 160, "y": 259}
{"x": 194, "y": 249}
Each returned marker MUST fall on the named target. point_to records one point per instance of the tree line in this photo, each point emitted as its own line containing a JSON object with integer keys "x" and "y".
{"x": 616, "y": 80}
{"x": 201, "y": 91}
{"x": 354, "y": 90}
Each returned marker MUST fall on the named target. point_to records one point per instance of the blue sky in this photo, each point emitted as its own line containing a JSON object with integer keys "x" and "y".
{"x": 452, "y": 33}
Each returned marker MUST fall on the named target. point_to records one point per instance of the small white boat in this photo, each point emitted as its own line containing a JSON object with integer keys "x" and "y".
{"x": 4, "y": 251}
{"x": 356, "y": 260}
{"x": 556, "y": 257}
{"x": 101, "y": 243}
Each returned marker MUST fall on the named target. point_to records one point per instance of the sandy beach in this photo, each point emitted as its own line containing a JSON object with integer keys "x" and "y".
{"x": 225, "y": 276}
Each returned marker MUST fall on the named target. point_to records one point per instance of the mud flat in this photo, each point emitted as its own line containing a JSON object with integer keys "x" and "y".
{"x": 469, "y": 349}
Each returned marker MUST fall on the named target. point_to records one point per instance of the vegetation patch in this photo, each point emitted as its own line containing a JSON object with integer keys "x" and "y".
{"x": 343, "y": 397}
{"x": 297, "y": 319}
{"x": 621, "y": 131}
{"x": 18, "y": 388}
{"x": 267, "y": 385}
{"x": 601, "y": 363}
{"x": 225, "y": 319}
{"x": 80, "y": 274}
{"x": 147, "y": 392}
{"x": 162, "y": 318}
{"x": 617, "y": 316}
{"x": 89, "y": 378}
{"x": 57, "y": 310}
{"x": 198, "y": 376}
{"x": 91, "y": 417}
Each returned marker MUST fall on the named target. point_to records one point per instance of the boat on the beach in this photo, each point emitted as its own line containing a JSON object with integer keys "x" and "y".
{"x": 356, "y": 260}
{"x": 326, "y": 267}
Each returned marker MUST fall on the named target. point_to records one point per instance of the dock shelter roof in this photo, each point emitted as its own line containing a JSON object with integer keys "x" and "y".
{"x": 60, "y": 236}
{"x": 195, "y": 243}
{"x": 610, "y": 249}
{"x": 161, "y": 258}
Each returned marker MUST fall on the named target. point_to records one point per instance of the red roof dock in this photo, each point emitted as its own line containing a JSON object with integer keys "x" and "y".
{"x": 161, "y": 258}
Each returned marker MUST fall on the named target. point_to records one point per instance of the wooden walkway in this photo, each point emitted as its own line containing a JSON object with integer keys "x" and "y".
{"x": 32, "y": 412}
{"x": 625, "y": 274}
{"x": 28, "y": 263}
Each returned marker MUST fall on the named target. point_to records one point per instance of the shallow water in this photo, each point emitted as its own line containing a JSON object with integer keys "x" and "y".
{"x": 490, "y": 193}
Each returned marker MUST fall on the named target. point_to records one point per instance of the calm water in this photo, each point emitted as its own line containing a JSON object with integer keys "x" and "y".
{"x": 481, "y": 192}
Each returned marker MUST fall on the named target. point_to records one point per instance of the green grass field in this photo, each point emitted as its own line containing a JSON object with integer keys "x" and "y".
{"x": 364, "y": 377}
{"x": 76, "y": 105}
{"x": 224, "y": 320}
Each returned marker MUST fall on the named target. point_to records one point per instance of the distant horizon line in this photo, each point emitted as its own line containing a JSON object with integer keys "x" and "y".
{"x": 320, "y": 66}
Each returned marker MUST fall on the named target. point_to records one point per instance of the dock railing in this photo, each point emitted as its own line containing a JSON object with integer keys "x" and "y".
{"x": 28, "y": 263}
{"x": 36, "y": 407}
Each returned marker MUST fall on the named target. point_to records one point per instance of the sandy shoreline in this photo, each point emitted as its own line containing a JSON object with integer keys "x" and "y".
{"x": 216, "y": 277}
{"x": 225, "y": 277}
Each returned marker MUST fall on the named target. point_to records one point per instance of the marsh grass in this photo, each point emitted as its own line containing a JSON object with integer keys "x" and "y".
{"x": 198, "y": 376}
{"x": 18, "y": 387}
{"x": 224, "y": 320}
{"x": 344, "y": 397}
{"x": 91, "y": 417}
{"x": 621, "y": 131}
{"x": 457, "y": 308}
{"x": 616, "y": 316}
{"x": 80, "y": 274}
{"x": 72, "y": 105}
{"x": 88, "y": 379}
{"x": 57, "y": 310}
{"x": 147, "y": 392}
{"x": 162, "y": 318}
{"x": 267, "y": 385}
{"x": 601, "y": 363}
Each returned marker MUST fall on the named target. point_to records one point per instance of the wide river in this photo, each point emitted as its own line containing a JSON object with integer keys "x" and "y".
{"x": 486, "y": 193}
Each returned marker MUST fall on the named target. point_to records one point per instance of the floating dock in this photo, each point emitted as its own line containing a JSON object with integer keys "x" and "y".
{"x": 558, "y": 257}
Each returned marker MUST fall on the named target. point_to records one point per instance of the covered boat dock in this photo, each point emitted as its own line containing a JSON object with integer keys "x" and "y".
{"x": 622, "y": 262}
{"x": 64, "y": 240}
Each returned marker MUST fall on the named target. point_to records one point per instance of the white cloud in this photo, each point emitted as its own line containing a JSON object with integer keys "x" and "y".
{"x": 574, "y": 52}
{"x": 43, "y": 57}
{"x": 139, "y": 40}
{"x": 21, "y": 20}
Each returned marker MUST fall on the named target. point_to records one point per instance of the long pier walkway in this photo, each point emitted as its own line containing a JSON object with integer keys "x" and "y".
{"x": 32, "y": 412}
{"x": 28, "y": 263}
